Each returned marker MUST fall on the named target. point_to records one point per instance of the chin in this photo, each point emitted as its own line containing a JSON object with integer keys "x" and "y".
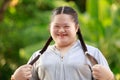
{"x": 63, "y": 42}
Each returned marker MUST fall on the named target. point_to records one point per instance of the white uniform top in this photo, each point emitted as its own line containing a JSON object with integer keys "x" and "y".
{"x": 51, "y": 66}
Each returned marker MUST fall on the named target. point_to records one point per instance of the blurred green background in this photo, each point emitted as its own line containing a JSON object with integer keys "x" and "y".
{"x": 24, "y": 29}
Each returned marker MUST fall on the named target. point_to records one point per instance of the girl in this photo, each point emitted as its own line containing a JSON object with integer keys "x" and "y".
{"x": 69, "y": 58}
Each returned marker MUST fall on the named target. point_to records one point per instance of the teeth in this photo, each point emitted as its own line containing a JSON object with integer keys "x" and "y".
{"x": 61, "y": 34}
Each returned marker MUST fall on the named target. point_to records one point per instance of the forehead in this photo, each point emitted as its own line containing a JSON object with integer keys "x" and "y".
{"x": 62, "y": 18}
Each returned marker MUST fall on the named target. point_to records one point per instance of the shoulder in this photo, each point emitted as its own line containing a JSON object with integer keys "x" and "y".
{"x": 95, "y": 52}
{"x": 35, "y": 54}
{"x": 48, "y": 50}
{"x": 92, "y": 49}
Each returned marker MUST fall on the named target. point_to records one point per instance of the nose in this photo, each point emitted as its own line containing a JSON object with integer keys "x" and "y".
{"x": 61, "y": 29}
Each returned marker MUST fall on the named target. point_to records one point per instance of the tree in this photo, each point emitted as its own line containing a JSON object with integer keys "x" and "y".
{"x": 81, "y": 4}
{"x": 3, "y": 8}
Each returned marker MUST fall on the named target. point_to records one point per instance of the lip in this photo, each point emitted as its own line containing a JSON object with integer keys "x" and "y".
{"x": 62, "y": 35}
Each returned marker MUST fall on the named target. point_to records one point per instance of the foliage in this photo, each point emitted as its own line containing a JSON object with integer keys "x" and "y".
{"x": 24, "y": 29}
{"x": 100, "y": 26}
{"x": 23, "y": 25}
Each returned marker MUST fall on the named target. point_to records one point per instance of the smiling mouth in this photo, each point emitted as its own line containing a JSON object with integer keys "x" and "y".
{"x": 62, "y": 35}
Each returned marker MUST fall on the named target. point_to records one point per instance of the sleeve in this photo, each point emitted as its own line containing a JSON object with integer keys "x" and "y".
{"x": 34, "y": 68}
{"x": 100, "y": 58}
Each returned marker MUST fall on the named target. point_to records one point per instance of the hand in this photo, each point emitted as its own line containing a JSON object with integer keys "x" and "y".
{"x": 102, "y": 73}
{"x": 23, "y": 72}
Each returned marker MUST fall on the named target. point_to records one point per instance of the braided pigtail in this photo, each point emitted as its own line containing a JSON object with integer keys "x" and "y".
{"x": 42, "y": 51}
{"x": 90, "y": 57}
{"x": 81, "y": 40}
{"x": 84, "y": 47}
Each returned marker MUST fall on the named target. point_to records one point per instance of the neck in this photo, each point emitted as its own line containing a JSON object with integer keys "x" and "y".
{"x": 63, "y": 49}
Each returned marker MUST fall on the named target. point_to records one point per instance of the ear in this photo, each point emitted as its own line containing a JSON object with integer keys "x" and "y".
{"x": 77, "y": 27}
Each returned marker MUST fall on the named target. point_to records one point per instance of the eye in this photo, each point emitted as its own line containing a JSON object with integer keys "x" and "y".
{"x": 66, "y": 27}
{"x": 56, "y": 26}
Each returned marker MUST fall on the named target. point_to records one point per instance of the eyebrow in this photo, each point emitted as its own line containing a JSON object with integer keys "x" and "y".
{"x": 62, "y": 24}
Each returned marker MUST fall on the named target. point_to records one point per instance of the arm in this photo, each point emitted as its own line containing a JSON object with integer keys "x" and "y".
{"x": 27, "y": 71}
{"x": 100, "y": 72}
{"x": 22, "y": 73}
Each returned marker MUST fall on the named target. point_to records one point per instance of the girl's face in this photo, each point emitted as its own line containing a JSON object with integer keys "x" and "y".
{"x": 63, "y": 30}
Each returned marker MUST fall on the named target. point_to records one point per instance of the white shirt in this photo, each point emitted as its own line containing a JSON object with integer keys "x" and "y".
{"x": 51, "y": 66}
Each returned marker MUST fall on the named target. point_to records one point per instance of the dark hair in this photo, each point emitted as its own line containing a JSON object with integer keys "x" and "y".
{"x": 73, "y": 13}
{"x": 66, "y": 10}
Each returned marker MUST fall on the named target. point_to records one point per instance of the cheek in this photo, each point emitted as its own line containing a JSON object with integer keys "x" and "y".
{"x": 52, "y": 31}
{"x": 74, "y": 30}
